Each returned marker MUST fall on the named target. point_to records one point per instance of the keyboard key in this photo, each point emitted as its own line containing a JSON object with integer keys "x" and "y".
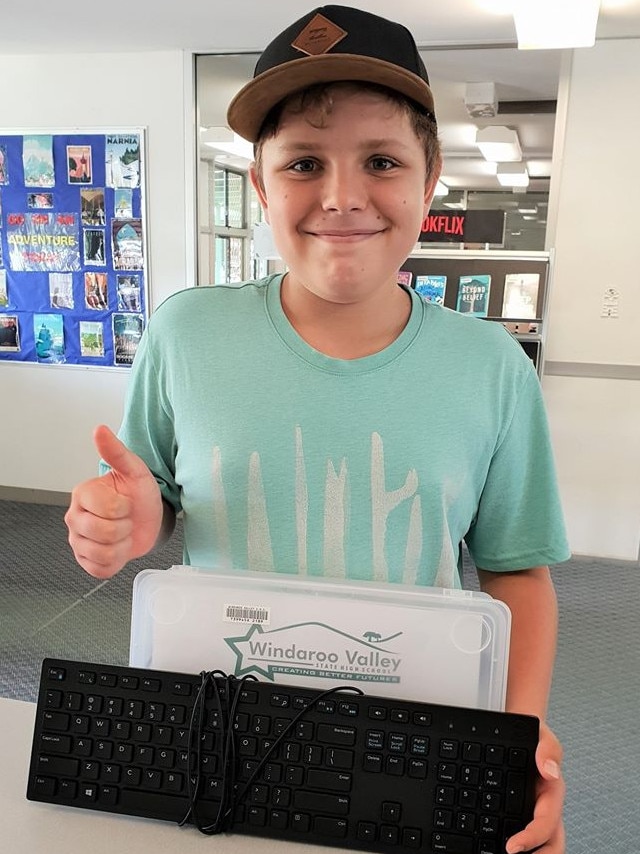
{"x": 411, "y": 837}
{"x": 377, "y": 713}
{"x": 334, "y": 757}
{"x": 334, "y": 827}
{"x": 449, "y": 749}
{"x": 58, "y": 766}
{"x": 399, "y": 716}
{"x": 395, "y": 766}
{"x": 372, "y": 762}
{"x": 53, "y": 699}
{"x": 301, "y": 822}
{"x": 278, "y": 819}
{"x": 56, "y": 674}
{"x": 348, "y": 709}
{"x": 389, "y": 834}
{"x": 375, "y": 739}
{"x": 330, "y": 781}
{"x": 391, "y": 811}
{"x": 451, "y": 843}
{"x": 417, "y": 769}
{"x": 55, "y": 743}
{"x": 366, "y": 831}
{"x": 68, "y": 789}
{"x": 514, "y": 796}
{"x": 44, "y": 786}
{"x": 319, "y": 802}
{"x": 339, "y": 735}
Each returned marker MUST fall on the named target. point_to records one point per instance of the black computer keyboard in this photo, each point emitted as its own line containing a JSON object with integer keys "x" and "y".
{"x": 238, "y": 755}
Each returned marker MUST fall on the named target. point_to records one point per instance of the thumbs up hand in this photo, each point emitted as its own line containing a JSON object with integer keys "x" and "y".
{"x": 117, "y": 517}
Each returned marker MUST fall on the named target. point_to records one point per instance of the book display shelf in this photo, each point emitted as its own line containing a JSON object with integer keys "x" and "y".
{"x": 501, "y": 287}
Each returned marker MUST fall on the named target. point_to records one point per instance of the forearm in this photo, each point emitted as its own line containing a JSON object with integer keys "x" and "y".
{"x": 531, "y": 598}
{"x": 168, "y": 525}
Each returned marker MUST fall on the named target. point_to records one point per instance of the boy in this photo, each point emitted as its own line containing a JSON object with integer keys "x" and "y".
{"x": 328, "y": 421}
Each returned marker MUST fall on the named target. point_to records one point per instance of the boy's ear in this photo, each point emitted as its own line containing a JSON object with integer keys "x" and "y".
{"x": 258, "y": 186}
{"x": 430, "y": 186}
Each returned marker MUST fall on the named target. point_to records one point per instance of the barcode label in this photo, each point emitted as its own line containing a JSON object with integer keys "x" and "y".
{"x": 246, "y": 614}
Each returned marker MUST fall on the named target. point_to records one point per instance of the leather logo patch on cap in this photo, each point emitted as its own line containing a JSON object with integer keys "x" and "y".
{"x": 319, "y": 36}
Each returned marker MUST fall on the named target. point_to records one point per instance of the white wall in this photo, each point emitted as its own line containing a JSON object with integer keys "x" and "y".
{"x": 593, "y": 394}
{"x": 48, "y": 412}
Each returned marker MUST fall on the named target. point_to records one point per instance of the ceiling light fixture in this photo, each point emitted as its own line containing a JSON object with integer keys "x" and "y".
{"x": 547, "y": 24}
{"x": 499, "y": 144}
{"x": 512, "y": 174}
{"x": 441, "y": 189}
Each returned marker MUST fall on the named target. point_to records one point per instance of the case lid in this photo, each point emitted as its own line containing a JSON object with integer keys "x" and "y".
{"x": 414, "y": 643}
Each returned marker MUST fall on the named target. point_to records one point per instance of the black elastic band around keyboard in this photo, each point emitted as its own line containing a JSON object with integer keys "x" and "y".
{"x": 335, "y": 767}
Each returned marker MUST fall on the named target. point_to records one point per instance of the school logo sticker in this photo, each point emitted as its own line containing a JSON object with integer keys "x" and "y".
{"x": 316, "y": 650}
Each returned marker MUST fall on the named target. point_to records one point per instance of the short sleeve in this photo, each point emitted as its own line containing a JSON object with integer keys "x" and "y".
{"x": 519, "y": 522}
{"x": 147, "y": 426}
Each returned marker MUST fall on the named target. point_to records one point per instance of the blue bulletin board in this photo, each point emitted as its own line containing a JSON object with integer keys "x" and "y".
{"x": 73, "y": 247}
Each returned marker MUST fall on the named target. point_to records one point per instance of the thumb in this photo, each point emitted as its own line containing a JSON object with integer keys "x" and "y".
{"x": 116, "y": 454}
{"x": 549, "y": 755}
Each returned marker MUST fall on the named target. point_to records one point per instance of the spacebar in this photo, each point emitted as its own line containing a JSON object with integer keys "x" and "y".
{"x": 153, "y": 804}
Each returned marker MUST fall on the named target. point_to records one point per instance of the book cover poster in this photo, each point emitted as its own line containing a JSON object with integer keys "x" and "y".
{"x": 91, "y": 339}
{"x": 93, "y": 240}
{"x": 122, "y": 160}
{"x": 61, "y": 290}
{"x": 40, "y": 200}
{"x": 92, "y": 206}
{"x": 9, "y": 333}
{"x": 405, "y": 277}
{"x": 48, "y": 331}
{"x": 126, "y": 244}
{"x": 432, "y": 288}
{"x": 37, "y": 161}
{"x": 95, "y": 291}
{"x": 79, "y": 168}
{"x": 127, "y": 331}
{"x": 128, "y": 292}
{"x": 4, "y": 296}
{"x": 123, "y": 204}
{"x": 473, "y": 295}
{"x": 520, "y": 295}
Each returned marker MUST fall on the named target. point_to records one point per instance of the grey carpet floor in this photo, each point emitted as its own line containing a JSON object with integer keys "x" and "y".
{"x": 49, "y": 607}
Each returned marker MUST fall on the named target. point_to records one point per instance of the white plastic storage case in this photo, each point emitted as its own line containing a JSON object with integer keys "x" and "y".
{"x": 414, "y": 643}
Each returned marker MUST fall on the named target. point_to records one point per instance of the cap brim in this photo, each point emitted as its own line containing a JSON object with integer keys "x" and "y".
{"x": 248, "y": 110}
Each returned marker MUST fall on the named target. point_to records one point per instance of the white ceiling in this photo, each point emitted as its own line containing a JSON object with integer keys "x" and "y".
{"x": 462, "y": 40}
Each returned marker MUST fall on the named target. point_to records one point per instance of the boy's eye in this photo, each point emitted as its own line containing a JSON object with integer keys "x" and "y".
{"x": 306, "y": 165}
{"x": 382, "y": 164}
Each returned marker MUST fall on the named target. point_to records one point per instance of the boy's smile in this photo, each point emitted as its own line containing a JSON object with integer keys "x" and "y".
{"x": 345, "y": 200}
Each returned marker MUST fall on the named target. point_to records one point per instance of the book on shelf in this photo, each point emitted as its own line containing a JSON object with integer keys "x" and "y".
{"x": 520, "y": 299}
{"x": 431, "y": 288}
{"x": 473, "y": 295}
{"x": 404, "y": 278}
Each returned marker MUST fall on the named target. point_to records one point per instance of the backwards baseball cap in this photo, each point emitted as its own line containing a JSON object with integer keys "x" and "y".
{"x": 331, "y": 44}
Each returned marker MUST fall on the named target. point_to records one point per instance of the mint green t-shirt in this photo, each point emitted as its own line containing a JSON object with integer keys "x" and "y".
{"x": 286, "y": 460}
